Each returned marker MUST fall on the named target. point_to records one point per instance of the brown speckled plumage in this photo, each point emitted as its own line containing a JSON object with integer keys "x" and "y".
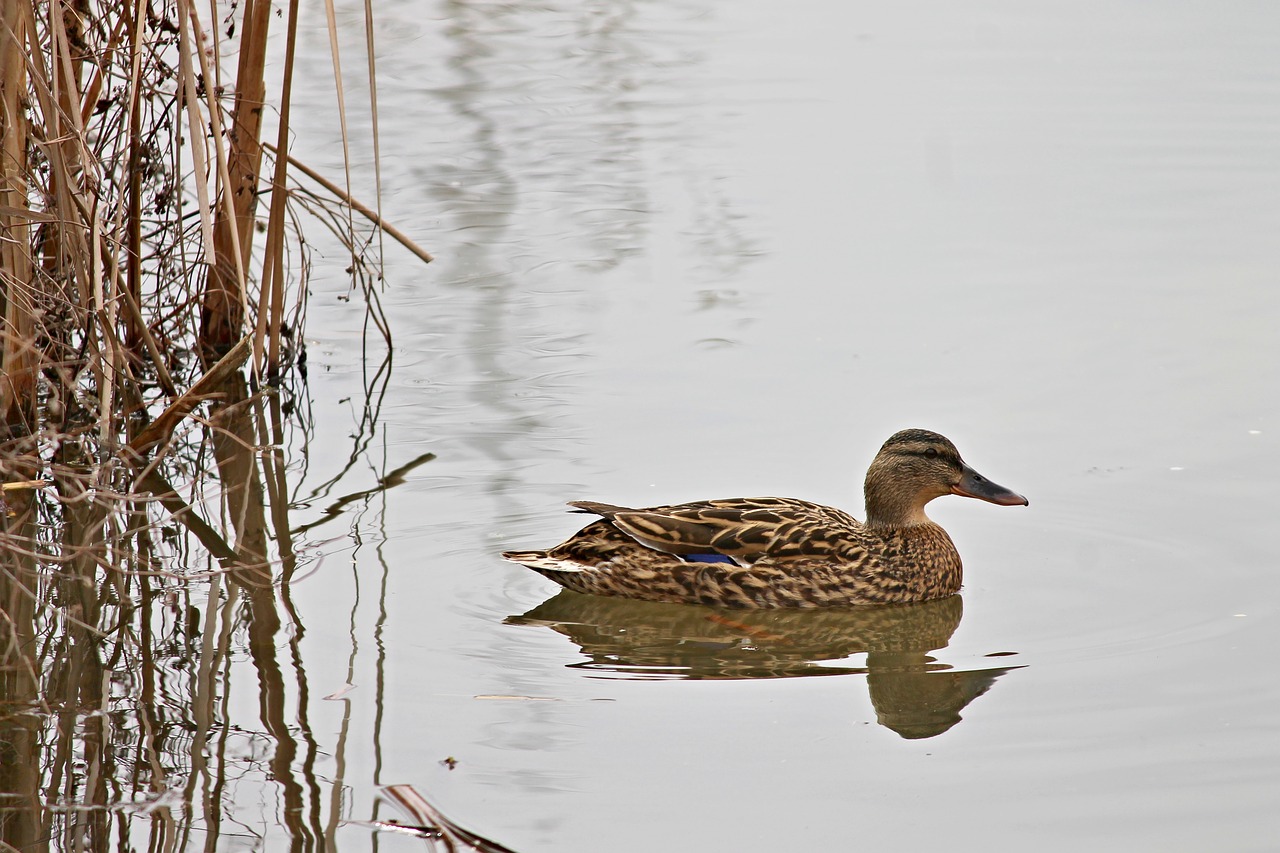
{"x": 785, "y": 552}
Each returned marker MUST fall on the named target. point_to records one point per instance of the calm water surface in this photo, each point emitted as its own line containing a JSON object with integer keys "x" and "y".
{"x": 699, "y": 249}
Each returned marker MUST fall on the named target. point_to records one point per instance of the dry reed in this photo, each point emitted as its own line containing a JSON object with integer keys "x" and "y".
{"x": 136, "y": 457}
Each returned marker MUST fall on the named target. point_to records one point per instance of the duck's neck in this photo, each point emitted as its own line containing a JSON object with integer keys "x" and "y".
{"x": 892, "y": 509}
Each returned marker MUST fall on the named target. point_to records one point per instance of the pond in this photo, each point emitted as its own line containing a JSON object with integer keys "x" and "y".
{"x": 693, "y": 250}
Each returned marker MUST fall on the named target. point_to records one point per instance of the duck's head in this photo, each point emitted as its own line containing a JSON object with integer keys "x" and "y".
{"x": 914, "y": 467}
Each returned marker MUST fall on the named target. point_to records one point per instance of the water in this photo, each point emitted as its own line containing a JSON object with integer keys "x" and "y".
{"x": 700, "y": 250}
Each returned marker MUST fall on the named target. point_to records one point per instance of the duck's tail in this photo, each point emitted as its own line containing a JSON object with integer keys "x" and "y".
{"x": 539, "y": 560}
{"x": 568, "y": 575}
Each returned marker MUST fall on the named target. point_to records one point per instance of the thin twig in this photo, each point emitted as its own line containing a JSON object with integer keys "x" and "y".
{"x": 356, "y": 205}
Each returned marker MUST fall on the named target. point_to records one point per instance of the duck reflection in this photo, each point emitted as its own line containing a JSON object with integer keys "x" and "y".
{"x": 913, "y": 694}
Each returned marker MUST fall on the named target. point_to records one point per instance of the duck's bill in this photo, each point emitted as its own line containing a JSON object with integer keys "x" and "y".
{"x": 974, "y": 485}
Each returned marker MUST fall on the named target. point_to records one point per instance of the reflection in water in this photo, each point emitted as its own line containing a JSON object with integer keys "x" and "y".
{"x": 912, "y": 692}
{"x": 140, "y": 707}
{"x": 540, "y": 169}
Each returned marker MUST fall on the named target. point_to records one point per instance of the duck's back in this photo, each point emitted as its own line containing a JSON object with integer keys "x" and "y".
{"x": 746, "y": 529}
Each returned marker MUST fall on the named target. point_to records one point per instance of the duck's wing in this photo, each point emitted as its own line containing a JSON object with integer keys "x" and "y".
{"x": 743, "y": 528}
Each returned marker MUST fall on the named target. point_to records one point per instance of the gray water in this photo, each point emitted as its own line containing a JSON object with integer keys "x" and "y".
{"x": 698, "y": 249}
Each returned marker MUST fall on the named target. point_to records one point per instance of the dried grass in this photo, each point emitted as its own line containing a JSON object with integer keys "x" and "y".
{"x": 144, "y": 485}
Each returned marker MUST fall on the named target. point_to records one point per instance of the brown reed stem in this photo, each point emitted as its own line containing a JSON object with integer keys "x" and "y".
{"x": 17, "y": 350}
{"x": 222, "y": 314}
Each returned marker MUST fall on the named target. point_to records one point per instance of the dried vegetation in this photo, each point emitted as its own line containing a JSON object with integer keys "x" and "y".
{"x": 152, "y": 312}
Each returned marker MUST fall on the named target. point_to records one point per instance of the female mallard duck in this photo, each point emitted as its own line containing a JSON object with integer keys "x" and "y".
{"x": 782, "y": 552}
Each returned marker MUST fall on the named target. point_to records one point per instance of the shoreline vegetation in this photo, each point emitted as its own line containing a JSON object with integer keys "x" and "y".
{"x": 152, "y": 372}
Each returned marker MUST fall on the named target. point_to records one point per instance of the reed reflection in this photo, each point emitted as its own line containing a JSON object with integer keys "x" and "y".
{"x": 125, "y": 609}
{"x": 913, "y": 693}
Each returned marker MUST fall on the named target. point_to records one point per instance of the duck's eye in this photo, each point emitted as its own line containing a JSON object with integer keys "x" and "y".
{"x": 931, "y": 452}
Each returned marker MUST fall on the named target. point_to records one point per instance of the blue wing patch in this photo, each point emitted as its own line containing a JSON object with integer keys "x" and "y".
{"x": 709, "y": 558}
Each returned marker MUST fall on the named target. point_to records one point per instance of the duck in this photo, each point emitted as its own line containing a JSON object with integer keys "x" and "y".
{"x": 772, "y": 552}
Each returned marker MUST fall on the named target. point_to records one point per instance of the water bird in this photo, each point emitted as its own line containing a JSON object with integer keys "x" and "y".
{"x": 782, "y": 552}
